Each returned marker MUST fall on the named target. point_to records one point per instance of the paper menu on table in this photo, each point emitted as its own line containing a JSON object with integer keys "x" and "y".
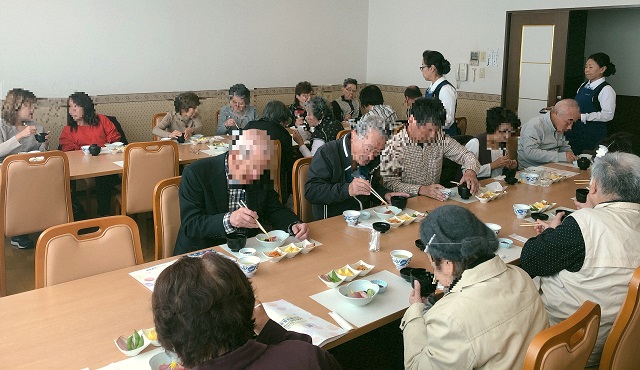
{"x": 294, "y": 318}
{"x": 394, "y": 299}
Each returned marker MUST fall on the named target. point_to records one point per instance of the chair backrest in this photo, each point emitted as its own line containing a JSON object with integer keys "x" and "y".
{"x": 166, "y": 216}
{"x": 512, "y": 146}
{"x": 301, "y": 205}
{"x": 154, "y": 122}
{"x": 34, "y": 195}
{"x": 76, "y": 250}
{"x": 567, "y": 345}
{"x": 461, "y": 122}
{"x": 275, "y": 167}
{"x": 145, "y": 164}
{"x": 621, "y": 348}
{"x": 123, "y": 137}
{"x": 341, "y": 133}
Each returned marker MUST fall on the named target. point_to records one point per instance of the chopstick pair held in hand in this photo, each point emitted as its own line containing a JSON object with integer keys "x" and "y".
{"x": 242, "y": 203}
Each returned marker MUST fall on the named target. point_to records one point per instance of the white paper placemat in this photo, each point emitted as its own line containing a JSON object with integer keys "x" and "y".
{"x": 509, "y": 254}
{"x": 119, "y": 163}
{"x": 551, "y": 213}
{"x": 214, "y": 152}
{"x": 394, "y": 299}
{"x": 457, "y": 198}
{"x": 254, "y": 243}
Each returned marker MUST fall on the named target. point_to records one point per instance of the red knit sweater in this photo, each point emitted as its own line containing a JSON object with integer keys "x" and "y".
{"x": 104, "y": 132}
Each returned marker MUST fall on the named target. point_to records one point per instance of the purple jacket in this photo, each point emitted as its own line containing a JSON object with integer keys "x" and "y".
{"x": 275, "y": 348}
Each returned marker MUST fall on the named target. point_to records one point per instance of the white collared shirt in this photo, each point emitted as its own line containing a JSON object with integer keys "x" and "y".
{"x": 607, "y": 99}
{"x": 447, "y": 96}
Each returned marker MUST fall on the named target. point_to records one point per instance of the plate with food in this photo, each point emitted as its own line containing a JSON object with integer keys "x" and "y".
{"x": 394, "y": 221}
{"x": 292, "y": 250}
{"x": 406, "y": 219}
{"x": 362, "y": 267}
{"x": 541, "y": 206}
{"x": 555, "y": 177}
{"x": 386, "y": 212}
{"x": 485, "y": 195}
{"x": 331, "y": 279}
{"x": 275, "y": 255}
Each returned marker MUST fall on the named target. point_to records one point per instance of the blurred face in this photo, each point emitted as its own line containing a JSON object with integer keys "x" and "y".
{"x": 76, "y": 112}
{"x": 303, "y": 98}
{"x": 426, "y": 133}
{"x": 503, "y": 133}
{"x": 368, "y": 148}
{"x": 444, "y": 272}
{"x": 25, "y": 112}
{"x": 563, "y": 120}
{"x": 409, "y": 101}
{"x": 189, "y": 113}
{"x": 249, "y": 157}
{"x": 349, "y": 92}
{"x": 311, "y": 119}
{"x": 237, "y": 104}
{"x": 592, "y": 71}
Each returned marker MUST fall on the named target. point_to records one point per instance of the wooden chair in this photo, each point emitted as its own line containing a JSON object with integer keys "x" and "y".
{"x": 154, "y": 122}
{"x": 461, "y": 122}
{"x": 84, "y": 248}
{"x": 166, "y": 216}
{"x": 342, "y": 133}
{"x": 567, "y": 345}
{"x": 301, "y": 205}
{"x": 145, "y": 164}
{"x": 34, "y": 194}
{"x": 621, "y": 348}
{"x": 275, "y": 167}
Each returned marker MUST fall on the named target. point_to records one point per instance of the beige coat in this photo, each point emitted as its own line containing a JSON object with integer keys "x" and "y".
{"x": 486, "y": 321}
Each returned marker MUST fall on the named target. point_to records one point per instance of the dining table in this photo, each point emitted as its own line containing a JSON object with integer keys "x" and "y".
{"x": 73, "y": 325}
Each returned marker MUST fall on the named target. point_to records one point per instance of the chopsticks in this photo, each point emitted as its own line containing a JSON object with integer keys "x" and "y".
{"x": 582, "y": 181}
{"x": 242, "y": 203}
{"x": 379, "y": 197}
{"x": 531, "y": 224}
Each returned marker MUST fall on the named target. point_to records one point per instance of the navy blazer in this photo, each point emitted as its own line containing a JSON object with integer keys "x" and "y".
{"x": 204, "y": 201}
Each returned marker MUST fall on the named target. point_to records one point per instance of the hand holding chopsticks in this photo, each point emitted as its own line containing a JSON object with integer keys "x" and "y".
{"x": 242, "y": 203}
{"x": 379, "y": 197}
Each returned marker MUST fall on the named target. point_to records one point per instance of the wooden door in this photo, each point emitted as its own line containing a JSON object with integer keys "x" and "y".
{"x": 544, "y": 59}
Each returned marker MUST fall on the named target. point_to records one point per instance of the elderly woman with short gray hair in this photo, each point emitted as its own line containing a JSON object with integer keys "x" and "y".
{"x": 238, "y": 112}
{"x": 592, "y": 253}
{"x": 324, "y": 127}
{"x": 490, "y": 311}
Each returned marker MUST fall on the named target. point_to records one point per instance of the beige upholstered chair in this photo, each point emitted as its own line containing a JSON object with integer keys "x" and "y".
{"x": 154, "y": 122}
{"x": 166, "y": 216}
{"x": 145, "y": 164}
{"x": 620, "y": 351}
{"x": 341, "y": 133}
{"x": 274, "y": 163}
{"x": 74, "y": 250}
{"x": 34, "y": 194}
{"x": 301, "y": 205}
{"x": 567, "y": 345}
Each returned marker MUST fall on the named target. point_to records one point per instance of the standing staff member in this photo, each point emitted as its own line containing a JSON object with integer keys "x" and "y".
{"x": 597, "y": 101}
{"x": 433, "y": 68}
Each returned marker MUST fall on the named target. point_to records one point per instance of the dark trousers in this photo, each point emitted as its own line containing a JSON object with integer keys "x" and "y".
{"x": 104, "y": 187}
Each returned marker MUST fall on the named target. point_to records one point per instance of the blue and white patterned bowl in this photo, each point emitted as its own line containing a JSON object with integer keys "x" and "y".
{"x": 249, "y": 265}
{"x": 401, "y": 258}
{"x": 351, "y": 217}
{"x": 521, "y": 210}
{"x": 531, "y": 178}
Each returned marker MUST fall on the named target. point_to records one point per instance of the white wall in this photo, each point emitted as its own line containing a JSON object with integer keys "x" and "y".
{"x": 612, "y": 32}
{"x": 400, "y": 30}
{"x": 56, "y": 47}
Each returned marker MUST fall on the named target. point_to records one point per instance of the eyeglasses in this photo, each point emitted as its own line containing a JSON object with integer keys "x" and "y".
{"x": 351, "y": 90}
{"x": 423, "y": 67}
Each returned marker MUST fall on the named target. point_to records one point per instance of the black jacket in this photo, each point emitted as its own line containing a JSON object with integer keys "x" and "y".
{"x": 204, "y": 200}
{"x": 327, "y": 188}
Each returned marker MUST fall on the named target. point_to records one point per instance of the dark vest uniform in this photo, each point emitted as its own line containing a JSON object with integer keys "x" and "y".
{"x": 587, "y": 135}
{"x": 453, "y": 129}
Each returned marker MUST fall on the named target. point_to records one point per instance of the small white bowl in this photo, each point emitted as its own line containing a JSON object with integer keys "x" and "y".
{"x": 345, "y": 269}
{"x": 249, "y": 265}
{"x": 521, "y": 210}
{"x": 160, "y": 359}
{"x": 351, "y": 217}
{"x": 85, "y": 149}
{"x": 494, "y": 227}
{"x": 331, "y": 284}
{"x": 531, "y": 178}
{"x": 406, "y": 218}
{"x": 247, "y": 252}
{"x": 280, "y": 235}
{"x": 305, "y": 246}
{"x": 121, "y": 343}
{"x": 381, "y": 212}
{"x": 394, "y": 222}
{"x": 419, "y": 216}
{"x": 357, "y": 286}
{"x": 505, "y": 242}
{"x": 365, "y": 215}
{"x": 381, "y": 284}
{"x": 361, "y": 271}
{"x": 147, "y": 332}
{"x": 275, "y": 259}
{"x": 113, "y": 145}
{"x": 291, "y": 249}
{"x": 446, "y": 192}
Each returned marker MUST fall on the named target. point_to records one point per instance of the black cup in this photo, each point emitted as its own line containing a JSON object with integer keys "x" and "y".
{"x": 464, "y": 191}
{"x": 180, "y": 138}
{"x": 41, "y": 137}
{"x": 511, "y": 180}
{"x": 406, "y": 273}
{"x": 583, "y": 163}
{"x": 94, "y": 149}
{"x": 540, "y": 216}
{"x": 581, "y": 195}
{"x": 236, "y": 241}
{"x": 398, "y": 201}
{"x": 509, "y": 173}
{"x": 382, "y": 227}
{"x": 566, "y": 213}
{"x": 426, "y": 281}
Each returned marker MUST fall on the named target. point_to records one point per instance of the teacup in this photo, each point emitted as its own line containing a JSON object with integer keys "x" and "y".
{"x": 521, "y": 210}
{"x": 401, "y": 258}
{"x": 531, "y": 178}
{"x": 446, "y": 192}
{"x": 581, "y": 195}
{"x": 494, "y": 227}
{"x": 464, "y": 191}
{"x": 85, "y": 149}
{"x": 365, "y": 215}
{"x": 399, "y": 201}
{"x": 41, "y": 137}
{"x": 351, "y": 217}
{"x": 249, "y": 265}
{"x": 236, "y": 241}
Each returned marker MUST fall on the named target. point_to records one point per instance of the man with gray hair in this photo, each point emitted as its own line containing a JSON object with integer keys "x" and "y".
{"x": 592, "y": 254}
{"x": 343, "y": 171}
{"x": 542, "y": 138}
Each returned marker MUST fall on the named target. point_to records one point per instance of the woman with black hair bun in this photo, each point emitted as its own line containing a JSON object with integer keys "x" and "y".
{"x": 597, "y": 101}
{"x": 434, "y": 67}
